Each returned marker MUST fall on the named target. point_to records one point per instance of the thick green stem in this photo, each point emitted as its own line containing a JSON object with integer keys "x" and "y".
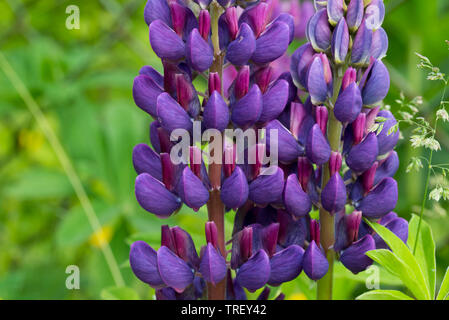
{"x": 327, "y": 236}
{"x": 215, "y": 206}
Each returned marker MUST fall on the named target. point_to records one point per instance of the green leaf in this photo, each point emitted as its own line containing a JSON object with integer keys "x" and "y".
{"x": 400, "y": 269}
{"x": 443, "y": 294}
{"x": 119, "y": 293}
{"x": 404, "y": 254}
{"x": 425, "y": 250}
{"x": 384, "y": 295}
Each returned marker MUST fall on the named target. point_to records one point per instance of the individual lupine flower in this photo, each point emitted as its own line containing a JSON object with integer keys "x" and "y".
{"x": 315, "y": 264}
{"x": 355, "y": 13}
{"x": 319, "y": 32}
{"x": 296, "y": 200}
{"x": 335, "y": 11}
{"x": 340, "y": 41}
{"x": 213, "y": 265}
{"x": 395, "y": 224}
{"x": 361, "y": 46}
{"x": 301, "y": 12}
{"x": 317, "y": 149}
{"x": 375, "y": 83}
{"x": 349, "y": 103}
{"x": 319, "y": 79}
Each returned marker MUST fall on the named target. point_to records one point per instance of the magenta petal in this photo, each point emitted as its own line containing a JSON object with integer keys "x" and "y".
{"x": 165, "y": 42}
{"x": 297, "y": 202}
{"x": 174, "y": 271}
{"x": 318, "y": 150}
{"x": 315, "y": 264}
{"x": 185, "y": 248}
{"x": 235, "y": 190}
{"x": 171, "y": 115}
{"x": 267, "y": 188}
{"x": 216, "y": 112}
{"x": 362, "y": 156}
{"x": 154, "y": 197}
{"x": 286, "y": 265}
{"x": 254, "y": 273}
{"x": 192, "y": 190}
{"x": 242, "y": 48}
{"x": 381, "y": 200}
{"x": 274, "y": 101}
{"x": 272, "y": 43}
{"x": 333, "y": 196}
{"x": 145, "y": 93}
{"x": 247, "y": 110}
{"x": 143, "y": 261}
{"x": 147, "y": 160}
{"x": 289, "y": 148}
{"x": 354, "y": 258}
{"x": 213, "y": 265}
{"x": 198, "y": 52}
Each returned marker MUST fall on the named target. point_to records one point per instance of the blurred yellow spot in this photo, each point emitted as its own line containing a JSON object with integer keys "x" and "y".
{"x": 297, "y": 296}
{"x": 30, "y": 140}
{"x": 101, "y": 237}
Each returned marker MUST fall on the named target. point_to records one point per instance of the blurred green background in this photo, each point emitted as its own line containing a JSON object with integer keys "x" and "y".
{"x": 82, "y": 82}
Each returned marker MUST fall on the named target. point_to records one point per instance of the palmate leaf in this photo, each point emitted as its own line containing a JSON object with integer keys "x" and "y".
{"x": 400, "y": 269}
{"x": 425, "y": 250}
{"x": 402, "y": 253}
{"x": 384, "y": 295}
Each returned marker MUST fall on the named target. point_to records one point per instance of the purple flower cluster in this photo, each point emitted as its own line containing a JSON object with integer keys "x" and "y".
{"x": 274, "y": 237}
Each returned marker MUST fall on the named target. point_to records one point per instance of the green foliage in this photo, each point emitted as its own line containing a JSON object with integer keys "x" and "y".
{"x": 417, "y": 271}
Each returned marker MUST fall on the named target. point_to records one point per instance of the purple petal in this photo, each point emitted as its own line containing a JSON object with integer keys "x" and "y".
{"x": 247, "y": 110}
{"x": 272, "y": 43}
{"x": 318, "y": 31}
{"x": 296, "y": 201}
{"x": 288, "y": 19}
{"x": 198, "y": 52}
{"x": 254, "y": 273}
{"x": 316, "y": 83}
{"x": 333, "y": 196}
{"x": 143, "y": 261}
{"x": 286, "y": 265}
{"x": 318, "y": 150}
{"x": 289, "y": 148}
{"x": 274, "y": 101}
{"x": 375, "y": 14}
{"x": 174, "y": 271}
{"x": 157, "y": 10}
{"x": 361, "y": 46}
{"x": 349, "y": 104}
{"x": 192, "y": 190}
{"x": 381, "y": 200}
{"x": 216, "y": 113}
{"x": 387, "y": 141}
{"x": 165, "y": 42}
{"x": 153, "y": 74}
{"x": 235, "y": 190}
{"x": 314, "y": 263}
{"x": 147, "y": 160}
{"x": 213, "y": 265}
{"x": 354, "y": 16}
{"x": 299, "y": 64}
{"x": 354, "y": 257}
{"x": 267, "y": 188}
{"x": 377, "y": 83}
{"x": 335, "y": 11}
{"x": 362, "y": 156}
{"x": 379, "y": 45}
{"x": 242, "y": 48}
{"x": 387, "y": 168}
{"x": 145, "y": 93}
{"x": 154, "y": 197}
{"x": 185, "y": 248}
{"x": 340, "y": 41}
{"x": 171, "y": 115}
